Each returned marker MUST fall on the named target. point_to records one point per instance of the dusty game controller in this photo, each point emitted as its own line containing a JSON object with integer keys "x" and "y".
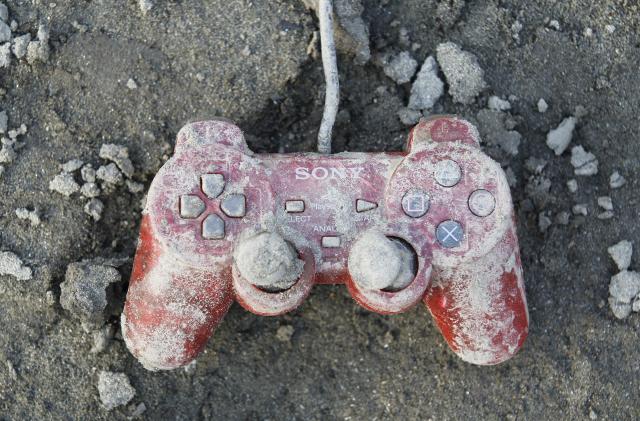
{"x": 434, "y": 223}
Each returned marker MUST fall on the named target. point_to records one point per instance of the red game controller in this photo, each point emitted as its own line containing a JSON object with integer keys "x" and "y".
{"x": 434, "y": 223}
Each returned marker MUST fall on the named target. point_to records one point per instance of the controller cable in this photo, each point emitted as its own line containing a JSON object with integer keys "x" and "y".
{"x": 329, "y": 63}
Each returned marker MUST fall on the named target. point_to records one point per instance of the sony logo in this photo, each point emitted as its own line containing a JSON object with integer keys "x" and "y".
{"x": 322, "y": 173}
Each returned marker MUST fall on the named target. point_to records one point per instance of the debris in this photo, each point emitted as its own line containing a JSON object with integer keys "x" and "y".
{"x": 145, "y": 6}
{"x": 493, "y": 126}
{"x": 109, "y": 174}
{"x": 625, "y": 286}
{"x": 71, "y": 166}
{"x": 542, "y": 106}
{"x": 114, "y": 389}
{"x": 353, "y": 33}
{"x": 284, "y": 333}
{"x": 462, "y": 71}
{"x": 572, "y": 185}
{"x": 401, "y": 68}
{"x": 427, "y": 88}
{"x": 10, "y": 264}
{"x": 537, "y": 189}
{"x": 498, "y": 104}
{"x": 585, "y": 163}
{"x": 7, "y": 154}
{"x": 619, "y": 309}
{"x": 101, "y": 339}
{"x": 580, "y": 209}
{"x": 141, "y": 408}
{"x": 605, "y": 203}
{"x": 39, "y": 50}
{"x": 32, "y": 216}
{"x": 562, "y": 218}
{"x": 5, "y": 31}
{"x": 131, "y": 84}
{"x": 64, "y": 184}
{"x": 616, "y": 180}
{"x": 605, "y": 215}
{"x": 554, "y": 24}
{"x": 621, "y": 254}
{"x": 512, "y": 180}
{"x": 134, "y": 187}
{"x": 119, "y": 155}
{"x": 83, "y": 292}
{"x": 516, "y": 27}
{"x": 4, "y": 12}
{"x": 610, "y": 28}
{"x": 4, "y": 121}
{"x": 5, "y": 55}
{"x": 20, "y": 45}
{"x": 88, "y": 173}
{"x": 90, "y": 190}
{"x": 559, "y": 138}
{"x": 1, "y": 170}
{"x": 409, "y": 117}
{"x": 94, "y": 208}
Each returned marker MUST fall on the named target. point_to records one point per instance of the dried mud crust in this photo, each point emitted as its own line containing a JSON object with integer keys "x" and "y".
{"x": 116, "y": 75}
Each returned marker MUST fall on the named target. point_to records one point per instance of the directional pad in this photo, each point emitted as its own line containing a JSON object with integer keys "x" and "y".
{"x": 234, "y": 205}
{"x": 213, "y": 227}
{"x": 212, "y": 185}
{"x": 191, "y": 206}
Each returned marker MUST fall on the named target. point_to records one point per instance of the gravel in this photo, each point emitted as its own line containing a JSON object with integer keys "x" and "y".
{"x": 584, "y": 163}
{"x": 427, "y": 88}
{"x": 559, "y": 138}
{"x": 109, "y": 174}
{"x": 94, "y": 208}
{"x": 11, "y": 265}
{"x": 401, "y": 67}
{"x": 498, "y": 104}
{"x": 616, "y": 180}
{"x": 542, "y": 105}
{"x": 20, "y": 45}
{"x": 30, "y": 215}
{"x": 120, "y": 156}
{"x": 71, "y": 166}
{"x": 64, "y": 184}
{"x": 621, "y": 254}
{"x": 462, "y": 71}
{"x": 115, "y": 389}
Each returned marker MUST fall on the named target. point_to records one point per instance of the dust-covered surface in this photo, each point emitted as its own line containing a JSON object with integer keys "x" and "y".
{"x": 131, "y": 73}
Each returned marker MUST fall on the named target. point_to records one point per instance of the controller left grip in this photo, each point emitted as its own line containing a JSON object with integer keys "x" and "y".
{"x": 171, "y": 309}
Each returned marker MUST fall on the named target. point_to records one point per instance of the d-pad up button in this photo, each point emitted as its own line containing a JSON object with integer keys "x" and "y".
{"x": 234, "y": 205}
{"x": 191, "y": 206}
{"x": 213, "y": 227}
{"x": 212, "y": 185}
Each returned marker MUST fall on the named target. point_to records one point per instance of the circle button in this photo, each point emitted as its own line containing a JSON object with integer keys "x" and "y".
{"x": 449, "y": 234}
{"x": 447, "y": 173}
{"x": 482, "y": 203}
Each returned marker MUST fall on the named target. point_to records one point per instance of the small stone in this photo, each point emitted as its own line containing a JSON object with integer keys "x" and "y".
{"x": 580, "y": 209}
{"x": 588, "y": 32}
{"x": 516, "y": 27}
{"x": 94, "y": 208}
{"x": 584, "y": 163}
{"x": 580, "y": 111}
{"x": 401, "y": 68}
{"x": 544, "y": 222}
{"x": 605, "y": 203}
{"x": 427, "y": 88}
{"x": 5, "y": 55}
{"x": 610, "y": 29}
{"x": 498, "y": 104}
{"x": 101, "y": 339}
{"x": 4, "y": 12}
{"x": 620, "y": 310}
{"x": 625, "y": 286}
{"x": 559, "y": 138}
{"x": 119, "y": 155}
{"x": 4, "y": 121}
{"x": 90, "y": 190}
{"x": 11, "y": 265}
{"x": 134, "y": 187}
{"x": 31, "y": 216}
{"x": 131, "y": 84}
{"x": 12, "y": 370}
{"x": 1, "y": 170}
{"x": 562, "y": 218}
{"x": 140, "y": 409}
{"x": 50, "y": 298}
{"x": 83, "y": 292}
{"x": 462, "y": 71}
{"x": 64, "y": 184}
{"x": 20, "y": 44}
{"x": 542, "y": 106}
{"x": 554, "y": 24}
{"x": 635, "y": 306}
{"x": 7, "y": 154}
{"x": 605, "y": 215}
{"x": 71, "y": 166}
{"x": 109, "y": 174}
{"x": 145, "y": 6}
{"x": 285, "y": 333}
{"x": 409, "y": 117}
{"x": 114, "y": 389}
{"x": 616, "y": 180}
{"x": 5, "y": 32}
{"x": 88, "y": 173}
{"x": 572, "y": 185}
{"x": 621, "y": 254}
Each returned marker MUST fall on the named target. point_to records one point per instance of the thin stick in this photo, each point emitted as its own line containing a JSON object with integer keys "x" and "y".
{"x": 329, "y": 62}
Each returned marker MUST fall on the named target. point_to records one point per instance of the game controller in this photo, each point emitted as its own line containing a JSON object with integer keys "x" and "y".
{"x": 222, "y": 224}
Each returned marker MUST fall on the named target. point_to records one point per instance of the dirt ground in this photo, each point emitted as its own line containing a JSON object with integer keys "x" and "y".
{"x": 247, "y": 61}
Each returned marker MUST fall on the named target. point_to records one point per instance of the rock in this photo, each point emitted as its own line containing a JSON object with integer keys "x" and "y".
{"x": 493, "y": 128}
{"x": 605, "y": 215}
{"x": 120, "y": 156}
{"x": 535, "y": 165}
{"x": 5, "y": 32}
{"x": 605, "y": 203}
{"x": 4, "y": 121}
{"x": 563, "y": 218}
{"x": 621, "y": 254}
{"x": 131, "y": 84}
{"x": 620, "y": 310}
{"x": 498, "y": 104}
{"x": 635, "y": 306}
{"x": 284, "y": 333}
{"x": 94, "y": 208}
{"x": 584, "y": 163}
{"x": 20, "y": 45}
{"x": 4, "y": 12}
{"x": 114, "y": 389}
{"x": 64, "y": 184}
{"x": 625, "y": 286}
{"x": 580, "y": 209}
{"x": 537, "y": 189}
{"x": 39, "y": 50}
{"x": 559, "y": 138}
{"x": 401, "y": 68}
{"x": 71, "y": 166}
{"x": 616, "y": 180}
{"x": 462, "y": 71}
{"x": 109, "y": 174}
{"x": 101, "y": 339}
{"x": 31, "y": 216}
{"x": 5, "y": 55}
{"x": 83, "y": 292}
{"x": 572, "y": 185}
{"x": 134, "y": 187}
{"x": 11, "y": 265}
{"x": 409, "y": 117}
{"x": 145, "y": 6}
{"x": 88, "y": 173}
{"x": 544, "y": 222}
{"x": 427, "y": 88}
{"x": 90, "y": 190}
{"x": 542, "y": 106}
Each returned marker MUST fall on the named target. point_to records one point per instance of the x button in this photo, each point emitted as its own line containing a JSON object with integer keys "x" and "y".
{"x": 449, "y": 234}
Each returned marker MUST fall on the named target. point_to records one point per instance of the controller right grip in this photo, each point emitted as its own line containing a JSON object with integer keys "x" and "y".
{"x": 171, "y": 309}
{"x": 480, "y": 306}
